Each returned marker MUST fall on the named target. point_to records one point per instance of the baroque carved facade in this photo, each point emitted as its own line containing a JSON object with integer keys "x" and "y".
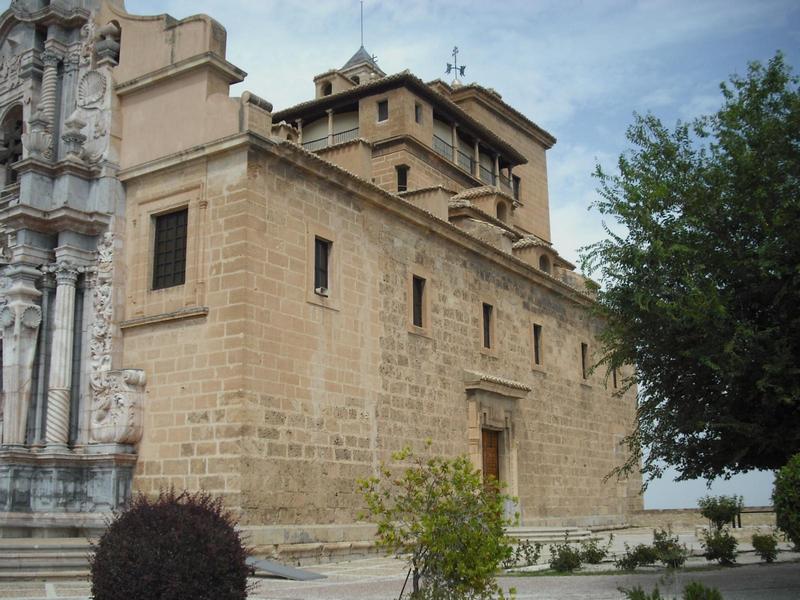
{"x": 202, "y": 292}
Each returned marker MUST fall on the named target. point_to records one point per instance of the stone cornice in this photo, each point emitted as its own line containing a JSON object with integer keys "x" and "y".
{"x": 52, "y": 14}
{"x": 511, "y": 115}
{"x": 190, "y": 312}
{"x": 64, "y": 218}
{"x": 63, "y": 167}
{"x": 232, "y": 73}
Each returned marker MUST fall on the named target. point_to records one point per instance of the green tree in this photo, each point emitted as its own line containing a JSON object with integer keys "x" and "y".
{"x": 786, "y": 500}
{"x": 450, "y": 526}
{"x": 701, "y": 289}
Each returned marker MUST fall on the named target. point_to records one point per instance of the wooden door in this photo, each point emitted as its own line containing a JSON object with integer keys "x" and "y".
{"x": 491, "y": 454}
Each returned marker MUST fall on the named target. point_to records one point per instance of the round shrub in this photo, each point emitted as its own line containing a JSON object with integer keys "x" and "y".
{"x": 786, "y": 500}
{"x": 719, "y": 545}
{"x": 171, "y": 548}
{"x": 766, "y": 546}
{"x": 720, "y": 510}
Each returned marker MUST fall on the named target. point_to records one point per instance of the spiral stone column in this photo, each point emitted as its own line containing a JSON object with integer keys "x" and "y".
{"x": 47, "y": 100}
{"x": 60, "y": 383}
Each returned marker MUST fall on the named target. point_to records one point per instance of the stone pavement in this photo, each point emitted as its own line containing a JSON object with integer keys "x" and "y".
{"x": 382, "y": 578}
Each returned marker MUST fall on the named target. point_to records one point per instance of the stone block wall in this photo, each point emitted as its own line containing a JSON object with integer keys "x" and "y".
{"x": 281, "y": 399}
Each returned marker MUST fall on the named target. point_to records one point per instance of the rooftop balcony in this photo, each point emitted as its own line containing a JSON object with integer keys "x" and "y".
{"x": 331, "y": 140}
{"x": 468, "y": 164}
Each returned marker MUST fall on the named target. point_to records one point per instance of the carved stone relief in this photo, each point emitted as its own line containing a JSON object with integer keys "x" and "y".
{"x": 117, "y": 396}
{"x": 10, "y": 59}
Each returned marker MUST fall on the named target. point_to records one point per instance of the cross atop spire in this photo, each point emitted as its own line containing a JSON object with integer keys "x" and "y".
{"x": 454, "y": 68}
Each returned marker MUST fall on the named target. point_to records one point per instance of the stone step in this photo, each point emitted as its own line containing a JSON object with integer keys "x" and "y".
{"x": 550, "y": 535}
{"x": 29, "y": 558}
{"x": 44, "y": 574}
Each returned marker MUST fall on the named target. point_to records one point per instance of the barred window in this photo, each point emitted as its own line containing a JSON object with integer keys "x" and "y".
{"x": 487, "y": 325}
{"x": 169, "y": 255}
{"x": 537, "y": 344}
{"x": 322, "y": 253}
{"x": 418, "y": 300}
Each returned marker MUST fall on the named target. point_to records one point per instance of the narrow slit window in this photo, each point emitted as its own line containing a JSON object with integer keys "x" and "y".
{"x": 487, "y": 325}
{"x": 418, "y": 292}
{"x": 614, "y": 377}
{"x": 418, "y": 112}
{"x": 516, "y": 183}
{"x": 383, "y": 110}
{"x": 584, "y": 360}
{"x": 537, "y": 344}
{"x": 402, "y": 178}
{"x": 169, "y": 253}
{"x": 322, "y": 255}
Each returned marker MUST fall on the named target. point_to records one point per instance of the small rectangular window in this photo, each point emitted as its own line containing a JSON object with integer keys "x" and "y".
{"x": 487, "y": 325}
{"x": 516, "y": 182}
{"x": 402, "y": 178}
{"x": 383, "y": 110}
{"x": 322, "y": 254}
{"x": 584, "y": 361}
{"x": 418, "y": 112}
{"x": 418, "y": 291}
{"x": 169, "y": 252}
{"x": 537, "y": 344}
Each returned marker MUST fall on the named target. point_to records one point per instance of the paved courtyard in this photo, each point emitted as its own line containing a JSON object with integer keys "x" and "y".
{"x": 382, "y": 578}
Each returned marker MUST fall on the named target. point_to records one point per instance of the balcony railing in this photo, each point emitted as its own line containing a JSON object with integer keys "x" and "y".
{"x": 465, "y": 161}
{"x": 318, "y": 144}
{"x": 487, "y": 176}
{"x": 345, "y": 136}
{"x": 338, "y": 138}
{"x": 442, "y": 148}
{"x": 505, "y": 184}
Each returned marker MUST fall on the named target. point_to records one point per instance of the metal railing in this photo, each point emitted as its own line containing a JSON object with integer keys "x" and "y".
{"x": 338, "y": 138}
{"x": 486, "y": 175}
{"x": 442, "y": 148}
{"x": 317, "y": 144}
{"x": 505, "y": 184}
{"x": 345, "y": 136}
{"x": 465, "y": 161}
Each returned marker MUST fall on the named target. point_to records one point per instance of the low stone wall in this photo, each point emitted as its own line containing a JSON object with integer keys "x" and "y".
{"x": 688, "y": 518}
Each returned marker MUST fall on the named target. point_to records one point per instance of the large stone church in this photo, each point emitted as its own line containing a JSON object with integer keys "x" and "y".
{"x": 203, "y": 292}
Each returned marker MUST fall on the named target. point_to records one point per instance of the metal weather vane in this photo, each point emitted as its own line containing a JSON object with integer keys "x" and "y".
{"x": 453, "y": 67}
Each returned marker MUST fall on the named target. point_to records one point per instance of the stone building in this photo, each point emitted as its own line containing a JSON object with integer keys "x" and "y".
{"x": 202, "y": 292}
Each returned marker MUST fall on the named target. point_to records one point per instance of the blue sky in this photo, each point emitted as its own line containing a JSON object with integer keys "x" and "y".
{"x": 577, "y": 68}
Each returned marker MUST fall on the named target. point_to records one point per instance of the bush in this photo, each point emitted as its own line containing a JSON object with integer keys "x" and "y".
{"x": 669, "y": 550}
{"x": 638, "y": 556}
{"x": 697, "y": 591}
{"x": 693, "y": 591}
{"x": 786, "y": 500}
{"x": 766, "y": 546}
{"x": 720, "y": 545}
{"x": 564, "y": 557}
{"x": 720, "y": 510}
{"x": 592, "y": 552}
{"x": 525, "y": 554}
{"x": 171, "y": 548}
{"x": 637, "y": 593}
{"x": 451, "y": 526}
